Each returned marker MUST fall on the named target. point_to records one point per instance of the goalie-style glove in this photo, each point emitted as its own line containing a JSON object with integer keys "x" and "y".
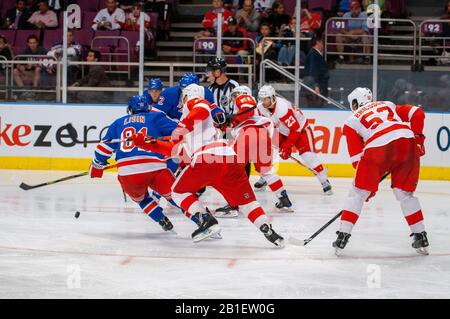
{"x": 96, "y": 169}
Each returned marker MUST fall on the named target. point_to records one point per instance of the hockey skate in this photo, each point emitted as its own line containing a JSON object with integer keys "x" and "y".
{"x": 271, "y": 235}
{"x": 208, "y": 227}
{"x": 284, "y": 204}
{"x": 341, "y": 242}
{"x": 227, "y": 212}
{"x": 420, "y": 242}
{"x": 260, "y": 185}
{"x": 166, "y": 224}
{"x": 215, "y": 236}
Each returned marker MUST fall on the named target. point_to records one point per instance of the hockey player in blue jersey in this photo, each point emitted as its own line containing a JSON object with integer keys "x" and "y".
{"x": 139, "y": 169}
{"x": 170, "y": 97}
{"x": 153, "y": 93}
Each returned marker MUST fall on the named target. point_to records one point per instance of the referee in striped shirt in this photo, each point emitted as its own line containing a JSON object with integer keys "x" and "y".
{"x": 220, "y": 85}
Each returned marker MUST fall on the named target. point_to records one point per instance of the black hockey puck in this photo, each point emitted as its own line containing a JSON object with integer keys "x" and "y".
{"x": 77, "y": 214}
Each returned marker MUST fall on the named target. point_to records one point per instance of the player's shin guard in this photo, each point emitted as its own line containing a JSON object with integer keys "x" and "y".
{"x": 312, "y": 161}
{"x": 411, "y": 210}
{"x": 352, "y": 209}
{"x": 254, "y": 213}
{"x": 151, "y": 208}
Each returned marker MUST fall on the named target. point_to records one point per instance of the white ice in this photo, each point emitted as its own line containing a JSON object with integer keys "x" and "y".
{"x": 114, "y": 251}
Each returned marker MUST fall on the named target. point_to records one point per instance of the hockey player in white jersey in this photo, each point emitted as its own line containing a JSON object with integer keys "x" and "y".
{"x": 294, "y": 131}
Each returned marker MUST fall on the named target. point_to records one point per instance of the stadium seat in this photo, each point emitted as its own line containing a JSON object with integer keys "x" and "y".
{"x": 87, "y": 19}
{"x": 51, "y": 37}
{"x": 90, "y": 5}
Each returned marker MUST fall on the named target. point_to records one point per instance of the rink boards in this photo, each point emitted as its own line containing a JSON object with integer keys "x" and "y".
{"x": 35, "y": 136}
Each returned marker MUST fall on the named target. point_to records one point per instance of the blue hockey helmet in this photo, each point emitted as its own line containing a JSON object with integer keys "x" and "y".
{"x": 138, "y": 104}
{"x": 155, "y": 84}
{"x": 188, "y": 78}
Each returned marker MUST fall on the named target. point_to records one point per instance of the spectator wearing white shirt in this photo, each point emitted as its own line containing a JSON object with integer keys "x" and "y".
{"x": 109, "y": 17}
{"x": 44, "y": 17}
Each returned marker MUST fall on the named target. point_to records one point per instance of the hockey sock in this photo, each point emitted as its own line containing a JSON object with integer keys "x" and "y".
{"x": 151, "y": 208}
{"x": 190, "y": 216}
{"x": 254, "y": 213}
{"x": 352, "y": 209}
{"x": 411, "y": 210}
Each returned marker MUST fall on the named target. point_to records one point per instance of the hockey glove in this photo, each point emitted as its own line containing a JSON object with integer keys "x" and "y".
{"x": 420, "y": 140}
{"x": 139, "y": 139}
{"x": 96, "y": 170}
{"x": 285, "y": 150}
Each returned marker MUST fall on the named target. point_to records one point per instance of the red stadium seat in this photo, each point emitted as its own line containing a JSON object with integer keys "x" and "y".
{"x": 51, "y": 37}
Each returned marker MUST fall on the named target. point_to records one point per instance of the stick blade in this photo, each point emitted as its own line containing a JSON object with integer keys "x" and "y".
{"x": 296, "y": 241}
{"x": 25, "y": 187}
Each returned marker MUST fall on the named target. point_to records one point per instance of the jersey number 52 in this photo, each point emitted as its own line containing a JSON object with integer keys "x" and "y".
{"x": 379, "y": 118}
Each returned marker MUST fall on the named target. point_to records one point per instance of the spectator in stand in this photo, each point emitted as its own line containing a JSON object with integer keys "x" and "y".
{"x": 17, "y": 18}
{"x": 29, "y": 74}
{"x": 277, "y": 18}
{"x": 248, "y": 17}
{"x": 207, "y": 32}
{"x": 238, "y": 46}
{"x": 74, "y": 52}
{"x": 44, "y": 17}
{"x": 316, "y": 68}
{"x": 265, "y": 46}
{"x": 96, "y": 77}
{"x": 310, "y": 21}
{"x": 132, "y": 19}
{"x": 264, "y": 7}
{"x": 286, "y": 53}
{"x": 446, "y": 16}
{"x": 211, "y": 16}
{"x": 357, "y": 31}
{"x": 5, "y": 52}
{"x": 109, "y": 18}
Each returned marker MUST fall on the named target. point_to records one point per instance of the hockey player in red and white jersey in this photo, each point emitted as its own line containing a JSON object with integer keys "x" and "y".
{"x": 208, "y": 161}
{"x": 252, "y": 142}
{"x": 384, "y": 138}
{"x": 293, "y": 131}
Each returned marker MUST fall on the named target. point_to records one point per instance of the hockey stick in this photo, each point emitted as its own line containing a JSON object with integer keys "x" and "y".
{"x": 27, "y": 187}
{"x": 298, "y": 161}
{"x": 304, "y": 242}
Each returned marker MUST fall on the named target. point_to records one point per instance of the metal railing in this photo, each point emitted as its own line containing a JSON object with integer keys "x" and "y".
{"x": 211, "y": 43}
{"x": 336, "y": 25}
{"x": 41, "y": 61}
{"x": 272, "y": 65}
{"x": 430, "y": 31}
{"x": 4, "y": 68}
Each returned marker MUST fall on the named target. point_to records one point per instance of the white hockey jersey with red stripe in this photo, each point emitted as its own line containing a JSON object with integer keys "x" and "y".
{"x": 286, "y": 117}
{"x": 378, "y": 123}
{"x": 202, "y": 137}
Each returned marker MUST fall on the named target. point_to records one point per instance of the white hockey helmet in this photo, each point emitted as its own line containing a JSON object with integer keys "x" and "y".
{"x": 192, "y": 91}
{"x": 241, "y": 89}
{"x": 266, "y": 91}
{"x": 360, "y": 96}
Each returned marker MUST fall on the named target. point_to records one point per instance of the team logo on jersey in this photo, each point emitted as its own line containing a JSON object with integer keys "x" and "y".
{"x": 161, "y": 100}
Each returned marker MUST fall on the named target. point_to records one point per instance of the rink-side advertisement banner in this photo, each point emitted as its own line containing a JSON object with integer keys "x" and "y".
{"x": 36, "y": 137}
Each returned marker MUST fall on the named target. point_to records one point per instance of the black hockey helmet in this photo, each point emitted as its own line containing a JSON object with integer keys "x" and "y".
{"x": 217, "y": 64}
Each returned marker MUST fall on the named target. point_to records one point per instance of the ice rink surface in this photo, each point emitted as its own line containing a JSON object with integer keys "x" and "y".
{"x": 113, "y": 251}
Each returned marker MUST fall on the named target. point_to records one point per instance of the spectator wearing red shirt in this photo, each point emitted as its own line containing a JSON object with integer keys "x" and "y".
{"x": 311, "y": 21}
{"x": 212, "y": 15}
